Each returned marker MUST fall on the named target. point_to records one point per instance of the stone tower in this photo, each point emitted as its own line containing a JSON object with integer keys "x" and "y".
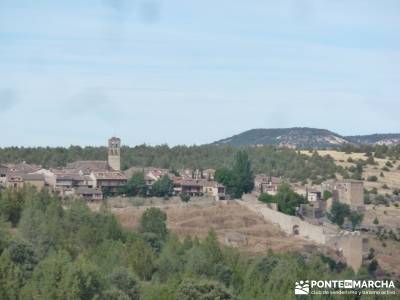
{"x": 114, "y": 153}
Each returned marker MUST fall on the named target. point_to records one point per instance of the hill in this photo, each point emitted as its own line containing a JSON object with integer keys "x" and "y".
{"x": 297, "y": 137}
{"x": 376, "y": 139}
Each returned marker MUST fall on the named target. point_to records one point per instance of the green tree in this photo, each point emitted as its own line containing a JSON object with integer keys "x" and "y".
{"x": 164, "y": 187}
{"x": 141, "y": 259}
{"x": 123, "y": 281}
{"x": 12, "y": 202}
{"x": 81, "y": 280}
{"x": 228, "y": 179}
{"x": 171, "y": 260}
{"x": 239, "y": 179}
{"x": 202, "y": 290}
{"x": 355, "y": 219}
{"x": 47, "y": 277}
{"x": 339, "y": 212}
{"x": 157, "y": 291}
{"x": 243, "y": 172}
{"x": 4, "y": 235}
{"x": 185, "y": 197}
{"x": 17, "y": 263}
{"x": 267, "y": 198}
{"x": 326, "y": 195}
{"x": 136, "y": 185}
{"x": 154, "y": 220}
{"x": 288, "y": 200}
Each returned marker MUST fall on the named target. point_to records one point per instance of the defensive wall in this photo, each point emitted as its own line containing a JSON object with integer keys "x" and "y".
{"x": 349, "y": 244}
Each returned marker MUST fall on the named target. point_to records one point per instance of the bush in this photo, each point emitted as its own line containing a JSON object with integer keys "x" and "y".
{"x": 372, "y": 178}
{"x": 266, "y": 198}
{"x": 154, "y": 220}
{"x": 326, "y": 195}
{"x": 389, "y": 164}
{"x": 185, "y": 197}
{"x": 339, "y": 211}
{"x": 202, "y": 290}
{"x": 374, "y": 190}
{"x": 163, "y": 187}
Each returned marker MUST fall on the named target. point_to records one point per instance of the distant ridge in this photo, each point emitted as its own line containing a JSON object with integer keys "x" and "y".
{"x": 376, "y": 139}
{"x": 304, "y": 137}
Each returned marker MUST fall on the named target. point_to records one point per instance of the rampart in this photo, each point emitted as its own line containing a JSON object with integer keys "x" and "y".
{"x": 349, "y": 244}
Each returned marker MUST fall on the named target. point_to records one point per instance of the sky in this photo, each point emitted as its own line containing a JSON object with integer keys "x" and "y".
{"x": 191, "y": 72}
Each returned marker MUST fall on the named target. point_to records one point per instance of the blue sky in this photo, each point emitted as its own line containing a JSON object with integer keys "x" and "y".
{"x": 191, "y": 72}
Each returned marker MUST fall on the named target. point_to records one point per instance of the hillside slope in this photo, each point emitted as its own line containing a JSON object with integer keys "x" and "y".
{"x": 297, "y": 137}
{"x": 376, "y": 139}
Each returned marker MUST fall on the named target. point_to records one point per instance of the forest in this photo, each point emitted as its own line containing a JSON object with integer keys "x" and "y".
{"x": 59, "y": 249}
{"x": 271, "y": 160}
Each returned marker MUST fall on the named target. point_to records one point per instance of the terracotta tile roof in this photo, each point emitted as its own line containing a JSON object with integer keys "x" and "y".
{"x": 111, "y": 175}
{"x": 193, "y": 182}
{"x": 32, "y": 177}
{"x": 88, "y": 166}
{"x": 23, "y": 168}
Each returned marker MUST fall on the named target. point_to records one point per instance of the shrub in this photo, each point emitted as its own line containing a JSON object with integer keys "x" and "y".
{"x": 389, "y": 164}
{"x": 373, "y": 191}
{"x": 185, "y": 197}
{"x": 372, "y": 178}
{"x": 327, "y": 195}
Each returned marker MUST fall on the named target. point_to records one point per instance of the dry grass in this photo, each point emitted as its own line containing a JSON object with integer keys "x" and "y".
{"x": 195, "y": 220}
{"x": 391, "y": 178}
{"x": 388, "y": 256}
{"x": 388, "y": 217}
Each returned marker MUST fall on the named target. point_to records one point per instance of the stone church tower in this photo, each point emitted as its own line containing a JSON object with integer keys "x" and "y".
{"x": 114, "y": 153}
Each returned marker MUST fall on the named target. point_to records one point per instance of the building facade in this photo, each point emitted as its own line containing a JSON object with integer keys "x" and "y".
{"x": 114, "y": 153}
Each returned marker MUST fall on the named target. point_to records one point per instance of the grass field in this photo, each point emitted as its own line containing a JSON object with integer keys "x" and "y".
{"x": 391, "y": 178}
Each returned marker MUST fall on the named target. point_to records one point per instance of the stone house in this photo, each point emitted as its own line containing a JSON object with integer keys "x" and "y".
{"x": 313, "y": 195}
{"x": 90, "y": 194}
{"x": 36, "y": 180}
{"x": 14, "y": 181}
{"x": 110, "y": 180}
{"x": 192, "y": 187}
{"x": 347, "y": 191}
{"x": 214, "y": 189}
{"x": 266, "y": 184}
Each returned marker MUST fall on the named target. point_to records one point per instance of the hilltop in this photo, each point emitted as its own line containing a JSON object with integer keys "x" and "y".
{"x": 305, "y": 137}
{"x": 297, "y": 137}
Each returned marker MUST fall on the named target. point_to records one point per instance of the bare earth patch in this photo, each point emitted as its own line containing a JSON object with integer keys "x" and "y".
{"x": 226, "y": 219}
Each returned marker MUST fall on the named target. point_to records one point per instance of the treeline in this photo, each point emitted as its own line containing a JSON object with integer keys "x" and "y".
{"x": 267, "y": 159}
{"x": 70, "y": 252}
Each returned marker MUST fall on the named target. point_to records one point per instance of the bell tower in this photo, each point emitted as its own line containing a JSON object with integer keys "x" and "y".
{"x": 114, "y": 153}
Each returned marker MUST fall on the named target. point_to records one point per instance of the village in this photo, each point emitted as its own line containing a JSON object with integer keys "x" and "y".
{"x": 90, "y": 179}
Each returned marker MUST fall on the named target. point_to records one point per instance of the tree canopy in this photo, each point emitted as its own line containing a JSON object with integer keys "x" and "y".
{"x": 63, "y": 250}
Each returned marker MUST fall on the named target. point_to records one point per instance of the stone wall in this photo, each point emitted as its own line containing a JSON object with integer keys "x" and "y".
{"x": 350, "y": 245}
